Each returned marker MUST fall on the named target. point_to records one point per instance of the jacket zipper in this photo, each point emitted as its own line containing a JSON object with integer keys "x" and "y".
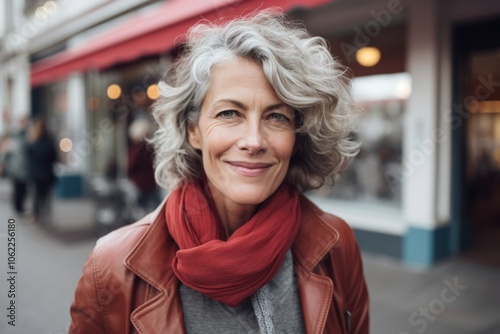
{"x": 347, "y": 316}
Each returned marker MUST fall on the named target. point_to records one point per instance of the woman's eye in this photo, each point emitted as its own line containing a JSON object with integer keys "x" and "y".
{"x": 227, "y": 114}
{"x": 279, "y": 117}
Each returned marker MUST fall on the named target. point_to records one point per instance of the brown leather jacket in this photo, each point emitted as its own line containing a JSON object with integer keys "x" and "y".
{"x": 128, "y": 285}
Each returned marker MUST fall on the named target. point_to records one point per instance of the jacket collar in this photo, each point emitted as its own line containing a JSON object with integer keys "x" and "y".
{"x": 156, "y": 248}
{"x": 150, "y": 260}
{"x": 315, "y": 238}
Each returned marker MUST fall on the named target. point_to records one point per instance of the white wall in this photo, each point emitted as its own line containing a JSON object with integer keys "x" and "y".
{"x": 17, "y": 14}
{"x": 14, "y": 98}
{"x": 3, "y": 21}
{"x": 2, "y": 74}
{"x": 18, "y": 70}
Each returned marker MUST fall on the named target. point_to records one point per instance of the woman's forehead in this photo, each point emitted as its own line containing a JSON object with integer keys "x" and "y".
{"x": 239, "y": 76}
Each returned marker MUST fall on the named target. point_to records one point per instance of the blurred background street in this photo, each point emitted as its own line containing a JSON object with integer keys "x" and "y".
{"x": 48, "y": 268}
{"x": 78, "y": 79}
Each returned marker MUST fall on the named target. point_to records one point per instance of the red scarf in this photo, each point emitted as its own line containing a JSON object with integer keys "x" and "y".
{"x": 230, "y": 271}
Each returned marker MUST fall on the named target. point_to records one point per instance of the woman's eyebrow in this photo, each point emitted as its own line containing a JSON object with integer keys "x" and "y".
{"x": 238, "y": 104}
{"x": 275, "y": 106}
{"x": 241, "y": 105}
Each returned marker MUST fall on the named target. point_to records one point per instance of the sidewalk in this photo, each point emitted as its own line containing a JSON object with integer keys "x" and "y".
{"x": 47, "y": 266}
{"x": 453, "y": 297}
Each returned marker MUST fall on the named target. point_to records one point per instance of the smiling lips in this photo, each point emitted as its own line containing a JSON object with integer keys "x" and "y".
{"x": 249, "y": 168}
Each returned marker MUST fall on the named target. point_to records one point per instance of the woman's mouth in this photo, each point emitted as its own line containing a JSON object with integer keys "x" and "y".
{"x": 249, "y": 168}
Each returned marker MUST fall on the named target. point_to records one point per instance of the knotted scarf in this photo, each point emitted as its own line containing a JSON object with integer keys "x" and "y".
{"x": 229, "y": 270}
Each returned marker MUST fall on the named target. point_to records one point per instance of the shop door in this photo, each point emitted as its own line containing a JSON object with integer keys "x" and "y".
{"x": 476, "y": 146}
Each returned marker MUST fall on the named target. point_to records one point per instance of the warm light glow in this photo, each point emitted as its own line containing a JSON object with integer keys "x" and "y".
{"x": 490, "y": 106}
{"x": 114, "y": 91}
{"x": 41, "y": 14}
{"x": 66, "y": 145}
{"x": 368, "y": 56}
{"x": 496, "y": 156}
{"x": 153, "y": 92}
{"x": 50, "y": 7}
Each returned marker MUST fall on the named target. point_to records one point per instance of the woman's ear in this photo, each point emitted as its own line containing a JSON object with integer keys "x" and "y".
{"x": 194, "y": 137}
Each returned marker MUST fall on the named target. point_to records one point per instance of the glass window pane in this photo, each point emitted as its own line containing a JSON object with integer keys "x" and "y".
{"x": 369, "y": 177}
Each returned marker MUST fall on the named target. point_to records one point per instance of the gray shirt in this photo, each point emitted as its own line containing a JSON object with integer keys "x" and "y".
{"x": 274, "y": 308}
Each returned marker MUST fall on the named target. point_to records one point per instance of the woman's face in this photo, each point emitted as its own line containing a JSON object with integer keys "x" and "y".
{"x": 245, "y": 133}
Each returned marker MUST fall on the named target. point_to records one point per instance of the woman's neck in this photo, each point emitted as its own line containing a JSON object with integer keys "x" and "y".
{"x": 233, "y": 215}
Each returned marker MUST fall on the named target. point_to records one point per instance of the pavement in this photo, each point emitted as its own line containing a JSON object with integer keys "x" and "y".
{"x": 453, "y": 296}
{"x": 47, "y": 265}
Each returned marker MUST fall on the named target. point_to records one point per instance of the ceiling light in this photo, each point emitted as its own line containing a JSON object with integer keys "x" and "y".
{"x": 368, "y": 56}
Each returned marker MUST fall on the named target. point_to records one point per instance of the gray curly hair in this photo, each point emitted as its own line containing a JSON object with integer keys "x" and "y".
{"x": 301, "y": 70}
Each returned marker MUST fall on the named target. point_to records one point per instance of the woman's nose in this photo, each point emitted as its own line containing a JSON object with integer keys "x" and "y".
{"x": 253, "y": 138}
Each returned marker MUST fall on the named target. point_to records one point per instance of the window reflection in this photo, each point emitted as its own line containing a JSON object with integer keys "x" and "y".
{"x": 367, "y": 179}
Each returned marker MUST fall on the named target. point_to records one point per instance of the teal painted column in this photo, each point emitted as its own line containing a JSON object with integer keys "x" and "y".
{"x": 424, "y": 247}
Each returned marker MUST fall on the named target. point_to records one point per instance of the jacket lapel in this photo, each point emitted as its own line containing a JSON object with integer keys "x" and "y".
{"x": 163, "y": 311}
{"x": 150, "y": 260}
{"x": 314, "y": 241}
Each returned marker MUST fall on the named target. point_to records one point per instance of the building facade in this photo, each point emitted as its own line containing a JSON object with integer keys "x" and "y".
{"x": 437, "y": 197}
{"x": 430, "y": 131}
{"x": 14, "y": 64}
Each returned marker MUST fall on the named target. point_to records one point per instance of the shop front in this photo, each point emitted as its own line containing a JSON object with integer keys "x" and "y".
{"x": 422, "y": 179}
{"x": 423, "y": 186}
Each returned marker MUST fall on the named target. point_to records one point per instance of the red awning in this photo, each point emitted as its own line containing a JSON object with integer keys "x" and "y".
{"x": 148, "y": 34}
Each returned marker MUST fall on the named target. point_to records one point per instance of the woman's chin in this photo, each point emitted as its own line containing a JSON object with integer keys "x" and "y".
{"x": 249, "y": 195}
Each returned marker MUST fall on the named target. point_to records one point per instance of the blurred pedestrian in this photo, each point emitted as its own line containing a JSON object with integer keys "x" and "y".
{"x": 256, "y": 113}
{"x": 4, "y": 146}
{"x": 140, "y": 165}
{"x": 42, "y": 155}
{"x": 16, "y": 165}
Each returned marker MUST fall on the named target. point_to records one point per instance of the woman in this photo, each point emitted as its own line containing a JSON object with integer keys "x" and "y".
{"x": 256, "y": 112}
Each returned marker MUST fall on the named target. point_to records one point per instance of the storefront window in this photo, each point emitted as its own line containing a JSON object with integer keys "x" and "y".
{"x": 367, "y": 179}
{"x": 104, "y": 122}
{"x": 118, "y": 97}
